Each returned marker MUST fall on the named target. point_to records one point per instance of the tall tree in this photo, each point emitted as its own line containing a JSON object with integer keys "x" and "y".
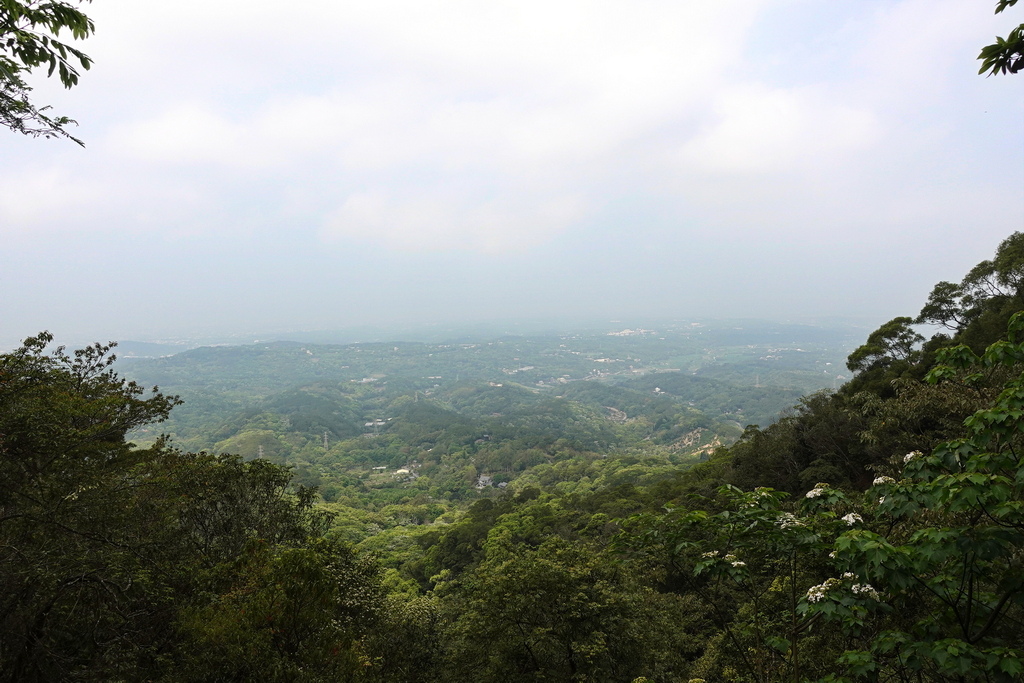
{"x": 121, "y": 563}
{"x": 68, "y": 572}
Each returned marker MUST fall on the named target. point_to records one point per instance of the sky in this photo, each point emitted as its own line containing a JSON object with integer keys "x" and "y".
{"x": 256, "y": 167}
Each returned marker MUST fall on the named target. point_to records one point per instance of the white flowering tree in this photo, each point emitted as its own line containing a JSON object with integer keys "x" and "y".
{"x": 921, "y": 580}
{"x": 751, "y": 564}
{"x": 946, "y": 545}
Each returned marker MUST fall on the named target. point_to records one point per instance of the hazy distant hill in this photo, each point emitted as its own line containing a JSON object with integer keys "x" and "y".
{"x": 496, "y": 406}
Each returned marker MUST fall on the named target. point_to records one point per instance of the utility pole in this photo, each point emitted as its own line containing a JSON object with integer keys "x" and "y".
{"x": 326, "y": 446}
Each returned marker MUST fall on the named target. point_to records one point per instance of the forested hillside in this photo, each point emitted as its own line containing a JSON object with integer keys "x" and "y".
{"x": 697, "y": 502}
{"x": 379, "y": 424}
{"x": 874, "y": 533}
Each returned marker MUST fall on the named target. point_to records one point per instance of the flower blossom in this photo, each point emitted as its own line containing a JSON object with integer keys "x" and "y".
{"x": 852, "y": 518}
{"x": 758, "y": 495}
{"x": 731, "y": 559}
{"x": 883, "y": 480}
{"x": 818, "y": 490}
{"x": 911, "y": 455}
{"x": 866, "y": 590}
{"x": 787, "y": 520}
{"x": 818, "y": 593}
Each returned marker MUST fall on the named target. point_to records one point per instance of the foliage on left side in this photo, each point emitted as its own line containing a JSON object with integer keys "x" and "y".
{"x": 120, "y": 563}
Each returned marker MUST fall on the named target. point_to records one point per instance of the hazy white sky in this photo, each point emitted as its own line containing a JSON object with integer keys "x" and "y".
{"x": 260, "y": 166}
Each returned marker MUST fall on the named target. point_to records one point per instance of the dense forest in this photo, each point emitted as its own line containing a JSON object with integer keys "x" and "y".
{"x": 874, "y": 532}
{"x": 650, "y": 508}
{"x": 371, "y": 424}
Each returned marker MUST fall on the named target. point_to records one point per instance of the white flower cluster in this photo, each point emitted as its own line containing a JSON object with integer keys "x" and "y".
{"x": 883, "y": 480}
{"x": 911, "y": 456}
{"x": 852, "y": 518}
{"x": 818, "y": 593}
{"x": 818, "y": 490}
{"x": 866, "y": 590}
{"x": 759, "y": 494}
{"x": 731, "y": 559}
{"x": 788, "y": 520}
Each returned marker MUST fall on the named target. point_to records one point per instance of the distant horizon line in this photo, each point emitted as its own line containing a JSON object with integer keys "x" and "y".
{"x": 438, "y": 331}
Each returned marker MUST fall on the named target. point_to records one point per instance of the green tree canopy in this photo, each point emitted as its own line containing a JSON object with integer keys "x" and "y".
{"x": 125, "y": 563}
{"x": 893, "y": 342}
{"x": 992, "y": 284}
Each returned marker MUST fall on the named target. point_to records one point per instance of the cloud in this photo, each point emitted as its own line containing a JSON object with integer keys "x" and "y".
{"x": 185, "y": 134}
{"x": 646, "y": 148}
{"x": 913, "y": 49}
{"x": 439, "y": 224}
{"x": 26, "y": 198}
{"x": 407, "y": 99}
{"x": 762, "y": 129}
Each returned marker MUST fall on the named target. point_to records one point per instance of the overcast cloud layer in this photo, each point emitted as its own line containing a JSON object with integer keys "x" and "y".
{"x": 257, "y": 166}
